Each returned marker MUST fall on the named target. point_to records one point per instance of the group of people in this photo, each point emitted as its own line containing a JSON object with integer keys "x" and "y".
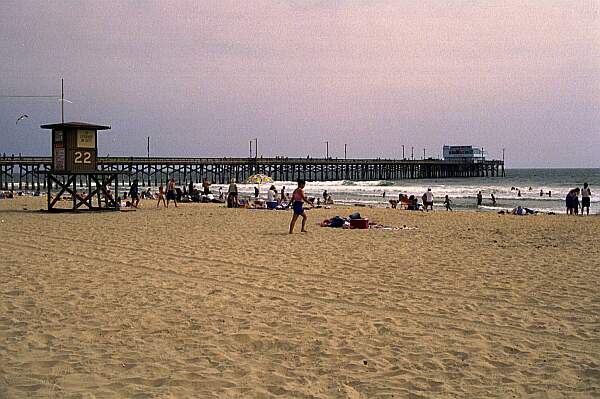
{"x": 411, "y": 202}
{"x": 7, "y": 194}
{"x": 165, "y": 197}
{"x": 574, "y": 206}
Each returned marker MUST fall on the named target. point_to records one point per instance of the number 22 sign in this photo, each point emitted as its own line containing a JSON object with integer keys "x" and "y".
{"x": 82, "y": 157}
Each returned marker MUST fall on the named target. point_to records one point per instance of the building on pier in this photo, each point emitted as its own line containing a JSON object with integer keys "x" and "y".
{"x": 466, "y": 153}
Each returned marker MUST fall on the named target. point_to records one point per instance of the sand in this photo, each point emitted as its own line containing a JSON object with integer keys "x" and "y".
{"x": 204, "y": 301}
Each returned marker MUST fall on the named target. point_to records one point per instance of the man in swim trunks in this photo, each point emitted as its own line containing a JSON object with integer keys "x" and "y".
{"x": 298, "y": 200}
{"x": 171, "y": 193}
{"x": 586, "y": 195}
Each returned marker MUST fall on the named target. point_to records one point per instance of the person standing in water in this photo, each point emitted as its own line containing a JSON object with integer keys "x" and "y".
{"x": 298, "y": 200}
{"x": 586, "y": 195}
{"x": 493, "y": 199}
{"x": 479, "y": 198}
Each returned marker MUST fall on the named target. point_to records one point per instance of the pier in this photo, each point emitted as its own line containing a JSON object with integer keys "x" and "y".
{"x": 23, "y": 173}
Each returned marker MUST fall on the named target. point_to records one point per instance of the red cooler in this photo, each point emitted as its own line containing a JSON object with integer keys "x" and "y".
{"x": 359, "y": 223}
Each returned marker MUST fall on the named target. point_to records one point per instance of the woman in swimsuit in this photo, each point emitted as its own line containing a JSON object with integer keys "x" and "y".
{"x": 161, "y": 195}
{"x": 298, "y": 200}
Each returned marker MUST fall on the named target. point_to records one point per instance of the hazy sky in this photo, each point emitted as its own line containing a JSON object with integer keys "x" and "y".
{"x": 202, "y": 78}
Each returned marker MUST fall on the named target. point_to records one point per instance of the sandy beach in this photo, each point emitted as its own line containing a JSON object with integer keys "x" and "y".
{"x": 209, "y": 302}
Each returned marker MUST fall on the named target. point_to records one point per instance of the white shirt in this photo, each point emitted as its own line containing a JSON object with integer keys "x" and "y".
{"x": 429, "y": 196}
{"x": 271, "y": 195}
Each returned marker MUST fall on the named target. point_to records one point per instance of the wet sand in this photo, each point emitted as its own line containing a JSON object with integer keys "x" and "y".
{"x": 204, "y": 301}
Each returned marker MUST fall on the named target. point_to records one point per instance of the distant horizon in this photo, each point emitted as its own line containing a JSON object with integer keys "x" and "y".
{"x": 205, "y": 78}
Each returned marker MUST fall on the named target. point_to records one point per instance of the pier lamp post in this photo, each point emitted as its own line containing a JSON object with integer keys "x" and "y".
{"x": 423, "y": 153}
{"x": 403, "y": 152}
{"x": 345, "y": 148}
{"x": 326, "y": 149}
{"x": 255, "y": 148}
{"x": 412, "y": 153}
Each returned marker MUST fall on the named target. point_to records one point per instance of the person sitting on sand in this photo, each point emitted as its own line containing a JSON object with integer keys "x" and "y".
{"x": 272, "y": 194}
{"x": 405, "y": 200}
{"x": 298, "y": 200}
{"x": 520, "y": 211}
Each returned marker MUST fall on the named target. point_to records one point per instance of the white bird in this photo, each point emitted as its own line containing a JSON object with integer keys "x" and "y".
{"x": 20, "y": 118}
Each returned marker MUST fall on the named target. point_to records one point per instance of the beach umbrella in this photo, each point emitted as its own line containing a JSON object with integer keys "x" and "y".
{"x": 259, "y": 179}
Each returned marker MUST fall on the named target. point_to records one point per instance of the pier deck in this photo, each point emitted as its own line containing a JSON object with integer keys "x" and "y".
{"x": 28, "y": 172}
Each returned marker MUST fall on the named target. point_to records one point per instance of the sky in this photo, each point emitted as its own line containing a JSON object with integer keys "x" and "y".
{"x": 203, "y": 78}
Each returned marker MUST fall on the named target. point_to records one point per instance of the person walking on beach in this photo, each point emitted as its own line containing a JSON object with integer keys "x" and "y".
{"x": 586, "y": 197}
{"x": 134, "y": 193}
{"x": 479, "y": 198}
{"x": 493, "y": 199}
{"x": 298, "y": 200}
{"x": 171, "y": 192}
{"x": 232, "y": 195}
{"x": 428, "y": 200}
{"x": 447, "y": 203}
{"x": 282, "y": 198}
{"x": 256, "y": 192}
{"x": 161, "y": 195}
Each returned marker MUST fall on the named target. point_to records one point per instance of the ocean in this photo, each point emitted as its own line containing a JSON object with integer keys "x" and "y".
{"x": 462, "y": 191}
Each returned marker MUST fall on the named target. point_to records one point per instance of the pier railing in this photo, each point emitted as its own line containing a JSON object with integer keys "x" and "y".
{"x": 27, "y": 172}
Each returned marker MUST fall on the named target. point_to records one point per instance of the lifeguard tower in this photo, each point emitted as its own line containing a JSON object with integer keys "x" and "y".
{"x": 74, "y": 156}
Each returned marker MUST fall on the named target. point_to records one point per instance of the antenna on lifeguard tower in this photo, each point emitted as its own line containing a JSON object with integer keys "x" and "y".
{"x": 62, "y": 100}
